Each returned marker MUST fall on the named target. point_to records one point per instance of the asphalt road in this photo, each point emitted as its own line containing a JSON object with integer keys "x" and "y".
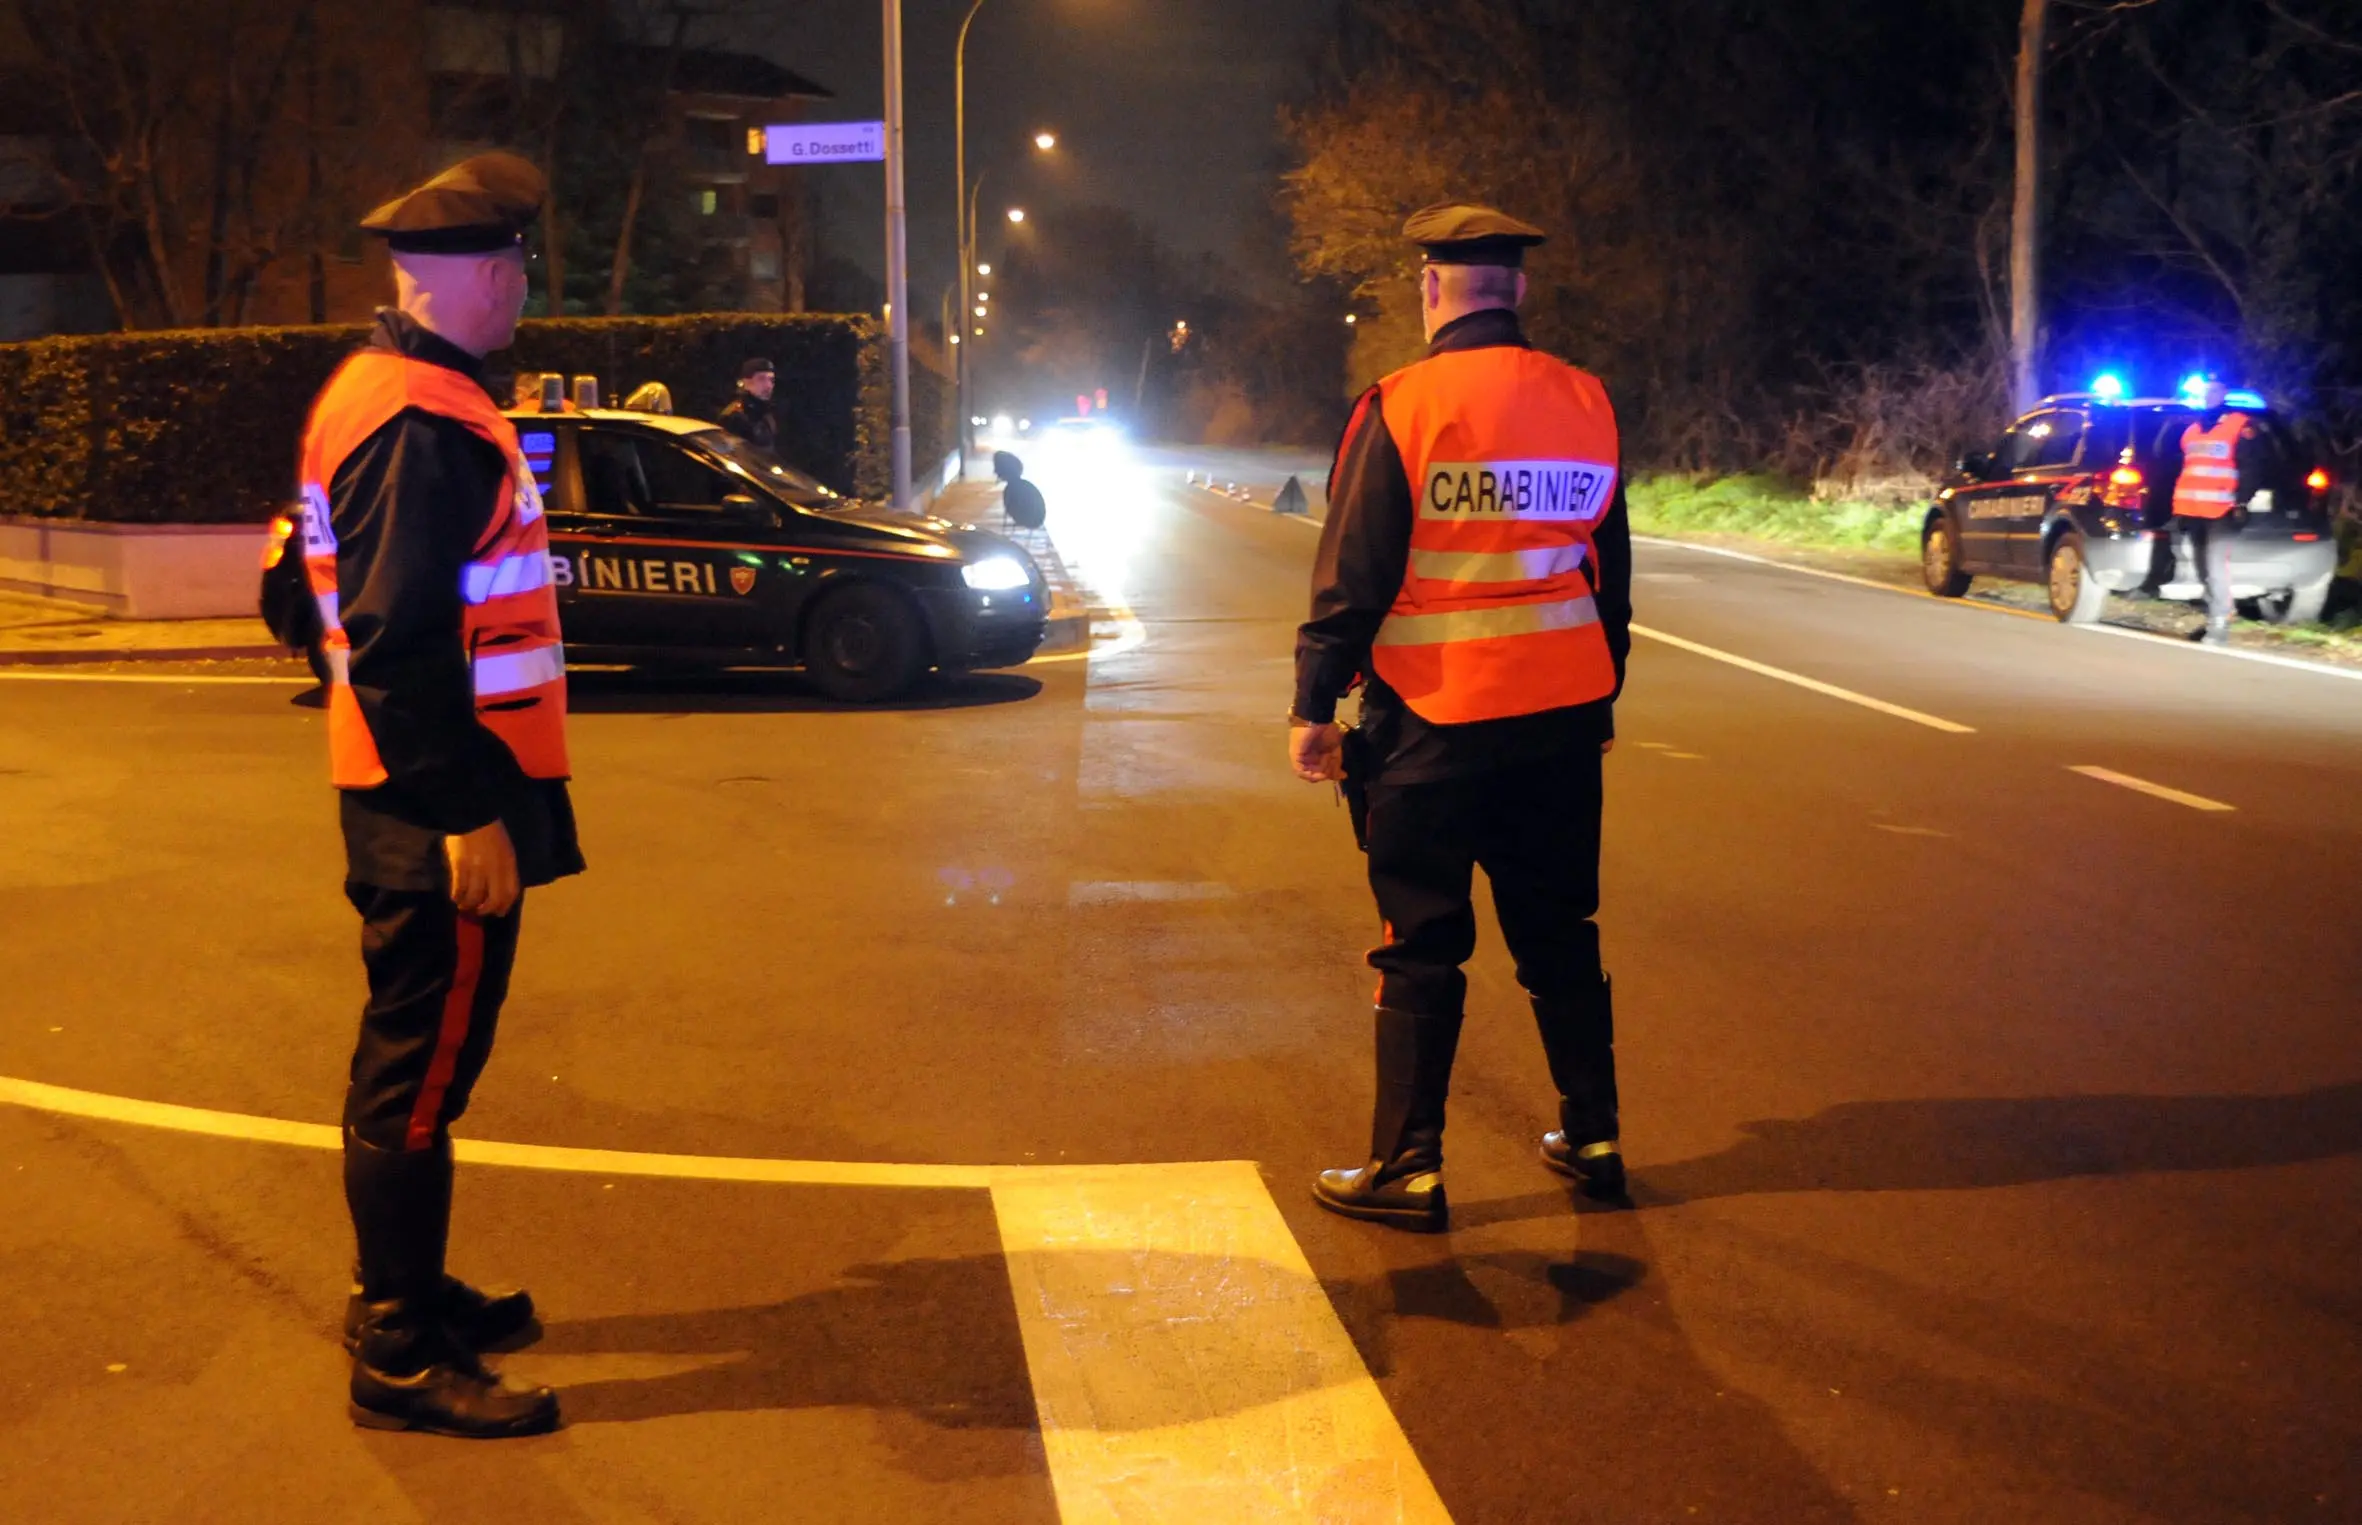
{"x": 1997, "y": 1127}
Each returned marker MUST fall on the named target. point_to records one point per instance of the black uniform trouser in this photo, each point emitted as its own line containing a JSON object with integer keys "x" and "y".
{"x": 1534, "y": 830}
{"x": 436, "y": 981}
{"x": 2208, "y": 542}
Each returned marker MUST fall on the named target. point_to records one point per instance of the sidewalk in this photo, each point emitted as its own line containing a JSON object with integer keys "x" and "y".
{"x": 38, "y": 631}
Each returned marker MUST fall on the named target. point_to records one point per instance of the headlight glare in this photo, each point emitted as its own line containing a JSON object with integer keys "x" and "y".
{"x": 996, "y": 574}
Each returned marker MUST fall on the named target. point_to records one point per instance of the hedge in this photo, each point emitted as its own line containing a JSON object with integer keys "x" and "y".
{"x": 200, "y": 426}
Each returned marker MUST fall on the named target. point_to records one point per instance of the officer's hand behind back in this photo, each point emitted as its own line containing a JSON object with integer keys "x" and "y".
{"x": 483, "y": 871}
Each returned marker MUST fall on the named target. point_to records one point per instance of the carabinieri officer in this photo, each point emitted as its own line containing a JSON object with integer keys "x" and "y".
{"x": 425, "y": 547}
{"x": 1475, "y": 576}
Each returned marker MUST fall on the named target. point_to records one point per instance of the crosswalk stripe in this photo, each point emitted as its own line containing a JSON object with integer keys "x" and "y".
{"x": 1186, "y": 1364}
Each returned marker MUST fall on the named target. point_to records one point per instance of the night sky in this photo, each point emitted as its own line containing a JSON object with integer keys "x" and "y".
{"x": 1164, "y": 107}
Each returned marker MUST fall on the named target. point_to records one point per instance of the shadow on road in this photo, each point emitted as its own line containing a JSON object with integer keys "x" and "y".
{"x": 1958, "y": 1145}
{"x": 638, "y": 692}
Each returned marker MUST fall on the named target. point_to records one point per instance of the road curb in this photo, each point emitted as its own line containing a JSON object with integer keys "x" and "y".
{"x": 143, "y": 654}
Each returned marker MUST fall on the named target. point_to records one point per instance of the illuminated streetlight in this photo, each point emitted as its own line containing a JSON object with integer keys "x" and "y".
{"x": 984, "y": 269}
{"x": 1350, "y": 320}
{"x": 1045, "y": 141}
{"x": 955, "y": 338}
{"x": 983, "y": 296}
{"x": 1016, "y": 214}
{"x": 983, "y": 311}
{"x": 980, "y": 332}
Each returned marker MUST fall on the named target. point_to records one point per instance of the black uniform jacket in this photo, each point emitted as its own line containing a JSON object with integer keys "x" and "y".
{"x": 409, "y": 505}
{"x": 751, "y": 419}
{"x": 1365, "y": 548}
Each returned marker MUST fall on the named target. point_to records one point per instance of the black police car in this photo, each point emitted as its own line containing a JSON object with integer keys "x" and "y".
{"x": 675, "y": 544}
{"x": 2078, "y": 495}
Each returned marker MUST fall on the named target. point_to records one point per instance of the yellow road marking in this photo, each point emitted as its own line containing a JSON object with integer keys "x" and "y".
{"x": 1186, "y": 1365}
{"x": 2143, "y": 786}
{"x": 1765, "y": 669}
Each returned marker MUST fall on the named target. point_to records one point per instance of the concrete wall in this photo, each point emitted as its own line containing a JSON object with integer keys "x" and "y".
{"x": 135, "y": 571}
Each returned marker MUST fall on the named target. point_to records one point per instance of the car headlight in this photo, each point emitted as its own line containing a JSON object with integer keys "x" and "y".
{"x": 996, "y": 574}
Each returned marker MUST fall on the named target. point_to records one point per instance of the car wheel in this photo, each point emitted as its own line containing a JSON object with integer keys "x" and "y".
{"x": 1939, "y": 559}
{"x": 2076, "y": 596}
{"x": 2296, "y": 606}
{"x": 863, "y": 644}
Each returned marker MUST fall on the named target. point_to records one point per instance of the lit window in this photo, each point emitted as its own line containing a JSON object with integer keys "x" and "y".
{"x": 754, "y": 141}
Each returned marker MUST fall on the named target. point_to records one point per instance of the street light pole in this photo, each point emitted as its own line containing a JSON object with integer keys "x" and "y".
{"x": 964, "y": 229}
{"x": 897, "y": 259}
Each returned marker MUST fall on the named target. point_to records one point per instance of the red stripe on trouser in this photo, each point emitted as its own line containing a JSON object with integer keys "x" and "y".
{"x": 459, "y": 1006}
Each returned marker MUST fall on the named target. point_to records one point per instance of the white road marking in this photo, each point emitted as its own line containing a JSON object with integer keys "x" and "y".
{"x": 1125, "y": 891}
{"x": 2143, "y": 786}
{"x": 2176, "y": 643}
{"x": 1132, "y": 634}
{"x": 1871, "y": 583}
{"x": 1186, "y": 1365}
{"x": 1185, "y": 1362}
{"x": 1764, "y": 669}
{"x": 45, "y": 675}
{"x": 2163, "y": 642}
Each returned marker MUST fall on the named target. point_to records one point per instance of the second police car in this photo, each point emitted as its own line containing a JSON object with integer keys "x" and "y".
{"x": 675, "y": 544}
{"x": 2078, "y": 496}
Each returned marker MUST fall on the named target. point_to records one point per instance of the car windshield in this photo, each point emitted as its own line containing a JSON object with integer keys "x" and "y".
{"x": 797, "y": 488}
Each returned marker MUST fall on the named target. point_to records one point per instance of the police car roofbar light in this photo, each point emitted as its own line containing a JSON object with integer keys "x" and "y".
{"x": 2244, "y": 399}
{"x": 2108, "y": 387}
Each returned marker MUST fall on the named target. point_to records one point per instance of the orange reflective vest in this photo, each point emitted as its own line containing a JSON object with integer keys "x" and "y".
{"x": 509, "y": 623}
{"x": 1512, "y": 458}
{"x": 2208, "y": 487}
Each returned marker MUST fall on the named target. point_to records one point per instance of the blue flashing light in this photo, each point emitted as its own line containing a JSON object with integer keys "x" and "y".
{"x": 2108, "y": 387}
{"x": 2193, "y": 386}
{"x": 2245, "y": 400}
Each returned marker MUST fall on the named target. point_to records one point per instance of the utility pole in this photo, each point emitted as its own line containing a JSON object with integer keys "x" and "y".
{"x": 897, "y": 258}
{"x": 2025, "y": 223}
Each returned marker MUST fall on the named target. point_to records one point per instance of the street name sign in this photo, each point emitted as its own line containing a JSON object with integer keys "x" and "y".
{"x": 825, "y": 143}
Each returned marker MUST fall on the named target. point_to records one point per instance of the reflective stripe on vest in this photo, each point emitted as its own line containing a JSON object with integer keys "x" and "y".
{"x": 509, "y": 610}
{"x": 2208, "y": 487}
{"x": 1512, "y": 460}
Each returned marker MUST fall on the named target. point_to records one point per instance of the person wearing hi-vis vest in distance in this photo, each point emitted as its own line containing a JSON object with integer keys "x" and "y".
{"x": 1474, "y": 577}
{"x": 426, "y": 549}
{"x": 2210, "y": 500}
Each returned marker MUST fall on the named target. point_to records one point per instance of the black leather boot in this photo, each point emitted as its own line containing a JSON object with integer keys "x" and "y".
{"x": 410, "y": 1374}
{"x": 1579, "y": 1040}
{"x": 1402, "y": 1185}
{"x": 410, "y": 1371}
{"x": 405, "y": 1199}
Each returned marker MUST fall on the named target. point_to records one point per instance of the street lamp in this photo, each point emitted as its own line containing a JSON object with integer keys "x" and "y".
{"x": 1045, "y": 141}
{"x": 1016, "y": 214}
{"x": 962, "y": 206}
{"x": 984, "y": 269}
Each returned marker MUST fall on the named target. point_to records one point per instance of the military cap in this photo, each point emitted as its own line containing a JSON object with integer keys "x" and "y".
{"x": 1460, "y": 233}
{"x": 477, "y": 206}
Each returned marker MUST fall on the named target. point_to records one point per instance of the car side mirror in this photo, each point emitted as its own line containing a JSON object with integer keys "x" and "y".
{"x": 748, "y": 509}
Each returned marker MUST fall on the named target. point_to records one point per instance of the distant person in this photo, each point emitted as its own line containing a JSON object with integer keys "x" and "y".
{"x": 2209, "y": 501}
{"x": 749, "y": 415}
{"x": 1475, "y": 576}
{"x": 426, "y": 549}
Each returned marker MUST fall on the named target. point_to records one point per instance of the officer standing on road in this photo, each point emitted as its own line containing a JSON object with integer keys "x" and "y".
{"x": 1475, "y": 574}
{"x": 426, "y": 549}
{"x": 749, "y": 415}
{"x": 2209, "y": 499}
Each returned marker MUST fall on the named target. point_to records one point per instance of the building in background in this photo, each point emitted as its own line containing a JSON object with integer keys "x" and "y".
{"x": 654, "y": 146}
